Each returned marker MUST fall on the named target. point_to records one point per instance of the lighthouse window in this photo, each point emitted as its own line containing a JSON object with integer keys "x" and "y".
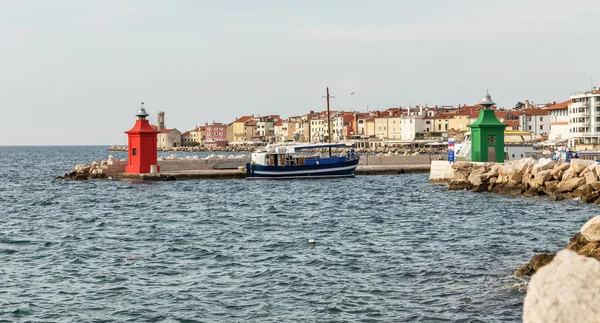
{"x": 134, "y": 151}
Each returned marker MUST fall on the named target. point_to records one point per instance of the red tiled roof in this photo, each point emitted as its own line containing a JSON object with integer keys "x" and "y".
{"x": 535, "y": 112}
{"x": 512, "y": 123}
{"x": 279, "y": 123}
{"x": 166, "y": 130}
{"x": 250, "y": 123}
{"x": 559, "y": 106}
{"x": 187, "y": 133}
{"x": 244, "y": 119}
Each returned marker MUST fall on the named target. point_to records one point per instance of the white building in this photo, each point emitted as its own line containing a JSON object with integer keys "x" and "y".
{"x": 559, "y": 120}
{"x": 412, "y": 121}
{"x": 584, "y": 118}
{"x": 535, "y": 121}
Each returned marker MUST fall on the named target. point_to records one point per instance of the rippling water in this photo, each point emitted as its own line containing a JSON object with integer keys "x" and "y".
{"x": 389, "y": 248}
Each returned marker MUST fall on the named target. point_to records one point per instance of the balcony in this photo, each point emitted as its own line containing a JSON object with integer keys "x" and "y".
{"x": 579, "y": 105}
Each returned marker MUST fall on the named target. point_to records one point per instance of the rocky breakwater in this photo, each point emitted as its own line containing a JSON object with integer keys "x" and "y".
{"x": 528, "y": 177}
{"x": 96, "y": 170}
{"x": 567, "y": 288}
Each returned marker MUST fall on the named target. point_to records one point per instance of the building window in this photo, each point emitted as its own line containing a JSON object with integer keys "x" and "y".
{"x": 541, "y": 127}
{"x": 529, "y": 127}
{"x": 541, "y": 118}
{"x": 134, "y": 151}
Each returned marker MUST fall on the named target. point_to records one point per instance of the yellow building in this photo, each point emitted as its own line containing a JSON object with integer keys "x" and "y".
{"x": 395, "y": 128}
{"x": 370, "y": 127}
{"x": 382, "y": 127}
{"x": 239, "y": 128}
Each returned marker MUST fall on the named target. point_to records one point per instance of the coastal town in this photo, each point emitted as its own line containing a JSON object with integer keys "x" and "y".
{"x": 573, "y": 122}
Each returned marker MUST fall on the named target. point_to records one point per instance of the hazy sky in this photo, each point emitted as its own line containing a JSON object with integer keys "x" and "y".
{"x": 74, "y": 71}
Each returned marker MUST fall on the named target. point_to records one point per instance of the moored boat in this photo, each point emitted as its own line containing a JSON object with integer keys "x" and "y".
{"x": 292, "y": 162}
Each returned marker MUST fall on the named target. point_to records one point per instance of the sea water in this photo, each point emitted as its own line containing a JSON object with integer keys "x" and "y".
{"x": 387, "y": 248}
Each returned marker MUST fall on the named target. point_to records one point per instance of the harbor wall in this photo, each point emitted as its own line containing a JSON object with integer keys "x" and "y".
{"x": 178, "y": 165}
{"x": 394, "y": 160}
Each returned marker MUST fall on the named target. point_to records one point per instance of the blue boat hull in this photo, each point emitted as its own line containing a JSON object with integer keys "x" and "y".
{"x": 331, "y": 170}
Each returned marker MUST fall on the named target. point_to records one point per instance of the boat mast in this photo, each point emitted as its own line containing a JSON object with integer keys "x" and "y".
{"x": 329, "y": 121}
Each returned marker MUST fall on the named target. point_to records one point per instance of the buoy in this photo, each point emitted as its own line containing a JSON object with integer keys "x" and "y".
{"x": 131, "y": 259}
{"x": 401, "y": 171}
{"x": 312, "y": 241}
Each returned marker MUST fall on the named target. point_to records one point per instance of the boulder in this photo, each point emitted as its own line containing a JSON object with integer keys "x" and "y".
{"x": 478, "y": 177}
{"x": 543, "y": 164}
{"x": 536, "y": 262}
{"x": 563, "y": 196}
{"x": 577, "y": 242}
{"x": 506, "y": 169}
{"x": 590, "y": 168}
{"x": 570, "y": 185}
{"x": 586, "y": 193}
{"x": 590, "y": 177}
{"x": 580, "y": 164}
{"x": 591, "y": 230}
{"x": 515, "y": 176}
{"x": 543, "y": 176}
{"x": 512, "y": 188}
{"x": 523, "y": 164}
{"x": 559, "y": 170}
{"x": 550, "y": 187}
{"x": 494, "y": 171}
{"x": 565, "y": 290}
{"x": 597, "y": 170}
{"x": 569, "y": 174}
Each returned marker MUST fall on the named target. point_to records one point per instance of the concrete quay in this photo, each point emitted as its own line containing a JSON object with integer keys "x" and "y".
{"x": 228, "y": 168}
{"x": 238, "y": 174}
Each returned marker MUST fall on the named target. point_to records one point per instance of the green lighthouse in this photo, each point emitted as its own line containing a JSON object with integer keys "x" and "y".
{"x": 487, "y": 135}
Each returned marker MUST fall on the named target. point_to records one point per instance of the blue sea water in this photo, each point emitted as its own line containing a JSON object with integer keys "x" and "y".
{"x": 389, "y": 248}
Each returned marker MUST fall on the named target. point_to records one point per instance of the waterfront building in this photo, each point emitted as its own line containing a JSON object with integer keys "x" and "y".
{"x": 382, "y": 125}
{"x": 535, "y": 121}
{"x": 413, "y": 123}
{"x": 229, "y": 136}
{"x": 239, "y": 128}
{"x": 396, "y": 125}
{"x": 369, "y": 127}
{"x": 361, "y": 124}
{"x": 249, "y": 130}
{"x": 559, "y": 120}
{"x": 216, "y": 135}
{"x": 462, "y": 117}
{"x": 584, "y": 119}
{"x": 194, "y": 135}
{"x": 168, "y": 138}
{"x": 318, "y": 129}
{"x": 265, "y": 128}
{"x": 298, "y": 129}
{"x": 280, "y": 133}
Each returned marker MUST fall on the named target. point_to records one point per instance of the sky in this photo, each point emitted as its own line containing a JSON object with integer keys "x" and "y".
{"x": 73, "y": 72}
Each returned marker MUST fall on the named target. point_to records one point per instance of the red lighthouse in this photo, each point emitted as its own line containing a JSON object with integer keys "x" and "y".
{"x": 142, "y": 152}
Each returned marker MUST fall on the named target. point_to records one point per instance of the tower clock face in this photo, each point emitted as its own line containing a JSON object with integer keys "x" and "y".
{"x": 491, "y": 139}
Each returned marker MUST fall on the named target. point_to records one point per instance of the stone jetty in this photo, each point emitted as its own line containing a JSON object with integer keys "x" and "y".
{"x": 528, "y": 177}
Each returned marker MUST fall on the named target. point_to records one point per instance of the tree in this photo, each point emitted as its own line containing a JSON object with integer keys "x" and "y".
{"x": 519, "y": 105}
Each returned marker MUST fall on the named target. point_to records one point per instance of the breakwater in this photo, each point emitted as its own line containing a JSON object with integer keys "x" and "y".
{"x": 528, "y": 177}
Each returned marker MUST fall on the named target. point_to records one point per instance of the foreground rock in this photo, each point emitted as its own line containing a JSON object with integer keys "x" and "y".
{"x": 566, "y": 290}
{"x": 585, "y": 243}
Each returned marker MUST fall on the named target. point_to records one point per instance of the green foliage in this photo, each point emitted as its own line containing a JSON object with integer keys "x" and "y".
{"x": 191, "y": 144}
